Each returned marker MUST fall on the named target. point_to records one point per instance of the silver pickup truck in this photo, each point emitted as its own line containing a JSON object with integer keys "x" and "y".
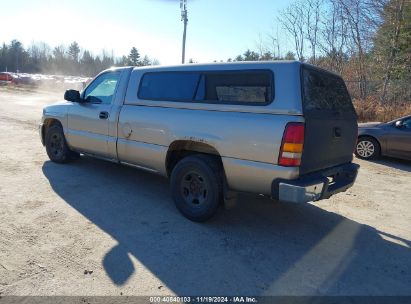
{"x": 283, "y": 129}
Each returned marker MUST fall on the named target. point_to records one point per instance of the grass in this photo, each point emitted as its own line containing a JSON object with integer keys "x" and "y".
{"x": 371, "y": 109}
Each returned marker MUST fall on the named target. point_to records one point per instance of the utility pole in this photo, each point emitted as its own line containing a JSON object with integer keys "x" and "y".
{"x": 183, "y": 7}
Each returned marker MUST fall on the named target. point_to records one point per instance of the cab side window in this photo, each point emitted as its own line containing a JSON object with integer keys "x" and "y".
{"x": 102, "y": 89}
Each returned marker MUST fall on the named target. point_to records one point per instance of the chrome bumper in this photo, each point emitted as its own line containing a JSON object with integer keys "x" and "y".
{"x": 300, "y": 194}
{"x": 315, "y": 186}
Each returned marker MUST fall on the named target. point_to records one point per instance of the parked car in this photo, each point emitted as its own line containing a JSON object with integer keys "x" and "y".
{"x": 25, "y": 80}
{"x": 6, "y": 77}
{"x": 385, "y": 139}
{"x": 283, "y": 129}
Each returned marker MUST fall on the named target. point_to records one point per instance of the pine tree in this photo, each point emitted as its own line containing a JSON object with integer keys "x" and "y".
{"x": 134, "y": 57}
{"x": 289, "y": 56}
{"x": 74, "y": 51}
{"x": 251, "y": 56}
{"x": 392, "y": 48}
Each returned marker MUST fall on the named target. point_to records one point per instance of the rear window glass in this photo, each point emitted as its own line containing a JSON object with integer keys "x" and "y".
{"x": 324, "y": 91}
{"x": 169, "y": 86}
{"x": 248, "y": 87}
{"x": 238, "y": 87}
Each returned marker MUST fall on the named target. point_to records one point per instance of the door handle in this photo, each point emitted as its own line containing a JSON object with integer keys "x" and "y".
{"x": 103, "y": 115}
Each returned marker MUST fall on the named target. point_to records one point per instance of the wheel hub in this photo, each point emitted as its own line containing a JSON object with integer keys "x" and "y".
{"x": 56, "y": 144}
{"x": 194, "y": 188}
{"x": 365, "y": 148}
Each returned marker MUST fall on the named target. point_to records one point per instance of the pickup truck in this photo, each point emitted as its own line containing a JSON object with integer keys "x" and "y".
{"x": 283, "y": 129}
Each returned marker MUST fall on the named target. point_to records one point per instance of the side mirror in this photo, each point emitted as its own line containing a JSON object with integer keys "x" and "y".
{"x": 398, "y": 124}
{"x": 72, "y": 95}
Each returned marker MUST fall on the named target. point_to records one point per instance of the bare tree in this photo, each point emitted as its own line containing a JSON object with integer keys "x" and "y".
{"x": 261, "y": 48}
{"x": 362, "y": 18}
{"x": 312, "y": 14}
{"x": 333, "y": 32}
{"x": 274, "y": 44}
{"x": 292, "y": 20}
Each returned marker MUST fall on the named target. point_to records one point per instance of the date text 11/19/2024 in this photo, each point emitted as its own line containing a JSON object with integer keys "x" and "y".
{"x": 168, "y": 299}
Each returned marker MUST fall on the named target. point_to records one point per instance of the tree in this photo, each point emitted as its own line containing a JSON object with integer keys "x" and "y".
{"x": 267, "y": 56}
{"x": 123, "y": 61}
{"x": 155, "y": 61}
{"x": 134, "y": 57}
{"x": 292, "y": 20}
{"x": 251, "y": 56}
{"x": 146, "y": 61}
{"x": 239, "y": 58}
{"x": 334, "y": 33}
{"x": 87, "y": 64}
{"x": 59, "y": 52}
{"x": 39, "y": 57}
{"x": 4, "y": 58}
{"x": 362, "y": 19}
{"x": 17, "y": 56}
{"x": 312, "y": 20}
{"x": 289, "y": 56}
{"x": 391, "y": 43}
{"x": 74, "y": 51}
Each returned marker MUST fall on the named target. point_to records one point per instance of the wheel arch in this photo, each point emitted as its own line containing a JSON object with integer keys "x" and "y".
{"x": 48, "y": 122}
{"x": 369, "y": 136}
{"x": 182, "y": 148}
{"x": 374, "y": 138}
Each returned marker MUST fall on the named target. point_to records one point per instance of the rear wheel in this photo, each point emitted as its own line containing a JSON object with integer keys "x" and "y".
{"x": 197, "y": 187}
{"x": 367, "y": 148}
{"x": 56, "y": 145}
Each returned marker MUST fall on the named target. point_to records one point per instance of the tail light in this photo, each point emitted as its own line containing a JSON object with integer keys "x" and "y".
{"x": 292, "y": 145}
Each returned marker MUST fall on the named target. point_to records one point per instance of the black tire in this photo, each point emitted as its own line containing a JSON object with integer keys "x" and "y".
{"x": 74, "y": 155}
{"x": 56, "y": 145}
{"x": 197, "y": 186}
{"x": 367, "y": 148}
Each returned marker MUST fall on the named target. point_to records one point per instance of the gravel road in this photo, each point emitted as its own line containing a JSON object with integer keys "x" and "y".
{"x": 97, "y": 228}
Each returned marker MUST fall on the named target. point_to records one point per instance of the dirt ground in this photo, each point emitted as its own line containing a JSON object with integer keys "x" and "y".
{"x": 97, "y": 228}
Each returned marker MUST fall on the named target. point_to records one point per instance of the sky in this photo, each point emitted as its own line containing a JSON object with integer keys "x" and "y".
{"x": 217, "y": 29}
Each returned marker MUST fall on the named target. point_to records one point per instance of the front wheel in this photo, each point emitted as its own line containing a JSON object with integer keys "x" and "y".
{"x": 367, "y": 148}
{"x": 56, "y": 145}
{"x": 197, "y": 187}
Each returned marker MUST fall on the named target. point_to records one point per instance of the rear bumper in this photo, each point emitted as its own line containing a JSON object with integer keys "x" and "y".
{"x": 315, "y": 186}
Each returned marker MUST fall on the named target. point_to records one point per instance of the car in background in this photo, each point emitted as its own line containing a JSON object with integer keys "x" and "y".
{"x": 384, "y": 139}
{"x": 7, "y": 78}
{"x": 18, "y": 79}
{"x": 23, "y": 79}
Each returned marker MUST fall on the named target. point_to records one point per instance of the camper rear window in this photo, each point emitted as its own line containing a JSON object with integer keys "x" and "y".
{"x": 324, "y": 91}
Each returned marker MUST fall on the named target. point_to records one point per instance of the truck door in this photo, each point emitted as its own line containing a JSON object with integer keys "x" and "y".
{"x": 88, "y": 122}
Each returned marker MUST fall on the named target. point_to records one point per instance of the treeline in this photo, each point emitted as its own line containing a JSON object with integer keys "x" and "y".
{"x": 71, "y": 60}
{"x": 367, "y": 42}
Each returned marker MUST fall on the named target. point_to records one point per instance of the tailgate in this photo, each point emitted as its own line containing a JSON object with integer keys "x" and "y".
{"x": 330, "y": 121}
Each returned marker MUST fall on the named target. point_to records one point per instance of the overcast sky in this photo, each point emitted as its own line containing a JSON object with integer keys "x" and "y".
{"x": 217, "y": 29}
